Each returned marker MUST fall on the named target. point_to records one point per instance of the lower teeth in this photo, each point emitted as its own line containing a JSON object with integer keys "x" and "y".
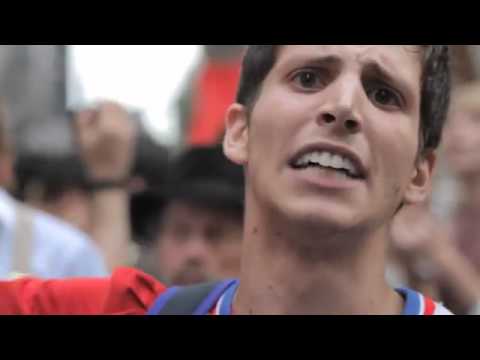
{"x": 332, "y": 172}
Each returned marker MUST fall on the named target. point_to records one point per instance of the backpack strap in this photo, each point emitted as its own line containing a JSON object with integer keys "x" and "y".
{"x": 190, "y": 300}
{"x": 23, "y": 238}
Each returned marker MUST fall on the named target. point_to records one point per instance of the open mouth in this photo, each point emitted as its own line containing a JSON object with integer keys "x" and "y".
{"x": 342, "y": 164}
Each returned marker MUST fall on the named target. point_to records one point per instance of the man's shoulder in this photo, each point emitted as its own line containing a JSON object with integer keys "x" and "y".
{"x": 45, "y": 226}
{"x": 45, "y": 220}
{"x": 80, "y": 256}
{"x": 50, "y": 229}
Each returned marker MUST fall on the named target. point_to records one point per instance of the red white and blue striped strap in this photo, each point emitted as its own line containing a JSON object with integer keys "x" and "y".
{"x": 415, "y": 303}
{"x": 224, "y": 304}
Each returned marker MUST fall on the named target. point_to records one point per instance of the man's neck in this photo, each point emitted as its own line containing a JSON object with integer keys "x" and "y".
{"x": 279, "y": 276}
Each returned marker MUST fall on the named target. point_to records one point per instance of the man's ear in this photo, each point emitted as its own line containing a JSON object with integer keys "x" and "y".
{"x": 235, "y": 143}
{"x": 420, "y": 186}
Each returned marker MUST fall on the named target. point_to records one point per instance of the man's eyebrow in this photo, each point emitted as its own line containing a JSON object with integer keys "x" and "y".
{"x": 391, "y": 78}
{"x": 315, "y": 60}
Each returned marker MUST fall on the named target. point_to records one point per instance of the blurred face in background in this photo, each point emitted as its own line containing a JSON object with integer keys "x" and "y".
{"x": 462, "y": 143}
{"x": 197, "y": 244}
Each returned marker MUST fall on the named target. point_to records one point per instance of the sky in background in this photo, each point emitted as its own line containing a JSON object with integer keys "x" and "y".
{"x": 147, "y": 77}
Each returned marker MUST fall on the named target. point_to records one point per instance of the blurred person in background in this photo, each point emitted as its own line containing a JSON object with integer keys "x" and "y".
{"x": 207, "y": 94}
{"x": 106, "y": 137}
{"x": 461, "y": 145}
{"x": 189, "y": 226}
{"x": 70, "y": 187}
{"x": 195, "y": 234}
{"x": 33, "y": 242}
{"x": 445, "y": 257}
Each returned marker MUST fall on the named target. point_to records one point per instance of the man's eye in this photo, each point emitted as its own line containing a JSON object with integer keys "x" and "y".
{"x": 214, "y": 235}
{"x": 308, "y": 79}
{"x": 384, "y": 97}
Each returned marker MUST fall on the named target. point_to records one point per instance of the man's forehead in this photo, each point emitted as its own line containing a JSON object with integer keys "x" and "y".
{"x": 386, "y": 53}
{"x": 392, "y": 57}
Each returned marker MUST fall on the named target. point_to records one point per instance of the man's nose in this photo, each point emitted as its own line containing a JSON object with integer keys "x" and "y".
{"x": 341, "y": 110}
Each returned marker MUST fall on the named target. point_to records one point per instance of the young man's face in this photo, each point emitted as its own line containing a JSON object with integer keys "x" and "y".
{"x": 333, "y": 137}
{"x": 197, "y": 244}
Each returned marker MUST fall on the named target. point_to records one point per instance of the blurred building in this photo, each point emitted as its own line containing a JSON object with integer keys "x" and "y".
{"x": 32, "y": 82}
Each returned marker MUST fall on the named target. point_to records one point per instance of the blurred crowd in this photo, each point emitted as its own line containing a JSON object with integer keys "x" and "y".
{"x": 123, "y": 199}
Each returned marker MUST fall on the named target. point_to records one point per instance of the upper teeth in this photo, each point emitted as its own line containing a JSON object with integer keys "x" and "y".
{"x": 327, "y": 159}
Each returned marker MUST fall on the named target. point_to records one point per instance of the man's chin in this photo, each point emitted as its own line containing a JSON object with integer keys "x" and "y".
{"x": 190, "y": 277}
{"x": 323, "y": 216}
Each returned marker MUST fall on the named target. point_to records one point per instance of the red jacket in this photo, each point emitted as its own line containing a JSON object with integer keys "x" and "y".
{"x": 127, "y": 292}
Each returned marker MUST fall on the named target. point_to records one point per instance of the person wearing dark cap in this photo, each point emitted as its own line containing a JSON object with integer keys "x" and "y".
{"x": 196, "y": 229}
